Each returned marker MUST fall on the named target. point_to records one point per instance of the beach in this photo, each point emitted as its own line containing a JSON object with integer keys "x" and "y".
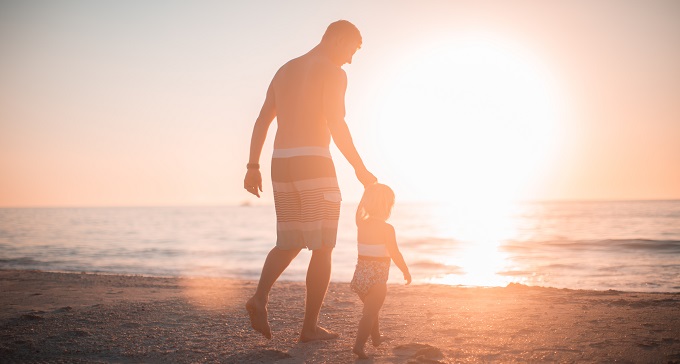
{"x": 91, "y": 318}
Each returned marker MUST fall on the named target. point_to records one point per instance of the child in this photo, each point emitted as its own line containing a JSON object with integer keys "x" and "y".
{"x": 377, "y": 247}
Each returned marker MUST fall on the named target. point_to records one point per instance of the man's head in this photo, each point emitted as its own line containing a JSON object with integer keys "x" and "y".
{"x": 342, "y": 39}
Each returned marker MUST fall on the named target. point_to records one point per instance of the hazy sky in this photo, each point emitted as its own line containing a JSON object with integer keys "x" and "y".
{"x": 152, "y": 102}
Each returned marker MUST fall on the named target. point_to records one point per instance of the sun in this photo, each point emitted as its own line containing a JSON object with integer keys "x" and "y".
{"x": 470, "y": 117}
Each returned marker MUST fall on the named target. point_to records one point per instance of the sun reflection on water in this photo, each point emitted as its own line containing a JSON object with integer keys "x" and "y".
{"x": 481, "y": 229}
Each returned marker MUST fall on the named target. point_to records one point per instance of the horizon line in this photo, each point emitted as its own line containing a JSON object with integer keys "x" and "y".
{"x": 268, "y": 204}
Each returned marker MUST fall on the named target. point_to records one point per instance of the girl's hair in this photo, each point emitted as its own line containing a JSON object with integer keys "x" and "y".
{"x": 377, "y": 202}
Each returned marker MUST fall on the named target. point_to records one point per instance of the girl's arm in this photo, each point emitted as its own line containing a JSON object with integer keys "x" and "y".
{"x": 395, "y": 254}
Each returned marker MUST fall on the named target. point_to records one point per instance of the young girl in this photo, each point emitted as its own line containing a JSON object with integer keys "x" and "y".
{"x": 377, "y": 247}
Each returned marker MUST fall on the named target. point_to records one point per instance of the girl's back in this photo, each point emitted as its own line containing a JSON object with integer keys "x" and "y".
{"x": 372, "y": 238}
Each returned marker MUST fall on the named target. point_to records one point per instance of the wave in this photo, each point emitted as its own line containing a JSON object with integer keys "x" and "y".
{"x": 649, "y": 245}
{"x": 428, "y": 264}
{"x": 424, "y": 242}
{"x": 21, "y": 262}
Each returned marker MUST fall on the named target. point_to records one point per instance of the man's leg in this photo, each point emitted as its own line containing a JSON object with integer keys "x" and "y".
{"x": 318, "y": 278}
{"x": 277, "y": 261}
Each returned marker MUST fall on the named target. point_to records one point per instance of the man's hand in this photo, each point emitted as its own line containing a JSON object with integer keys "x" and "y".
{"x": 366, "y": 178}
{"x": 407, "y": 277}
{"x": 253, "y": 182}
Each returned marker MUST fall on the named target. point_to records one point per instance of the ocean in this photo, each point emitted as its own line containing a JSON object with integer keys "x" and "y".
{"x": 599, "y": 245}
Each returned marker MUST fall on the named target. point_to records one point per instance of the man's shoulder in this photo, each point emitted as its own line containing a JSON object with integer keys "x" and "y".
{"x": 318, "y": 63}
{"x": 290, "y": 64}
{"x": 329, "y": 66}
{"x": 331, "y": 72}
{"x": 312, "y": 66}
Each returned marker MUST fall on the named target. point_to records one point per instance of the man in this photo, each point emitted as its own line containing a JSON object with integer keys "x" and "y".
{"x": 307, "y": 97}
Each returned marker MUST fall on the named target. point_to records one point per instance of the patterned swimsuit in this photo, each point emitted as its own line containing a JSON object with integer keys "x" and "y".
{"x": 373, "y": 267}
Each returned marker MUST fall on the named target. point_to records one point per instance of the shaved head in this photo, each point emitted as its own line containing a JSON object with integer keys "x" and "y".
{"x": 342, "y": 28}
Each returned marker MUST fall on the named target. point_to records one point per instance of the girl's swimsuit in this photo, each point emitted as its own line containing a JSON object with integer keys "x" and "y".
{"x": 373, "y": 267}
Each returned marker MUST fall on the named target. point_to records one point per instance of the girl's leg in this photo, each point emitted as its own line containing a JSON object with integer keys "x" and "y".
{"x": 372, "y": 304}
{"x": 376, "y": 338}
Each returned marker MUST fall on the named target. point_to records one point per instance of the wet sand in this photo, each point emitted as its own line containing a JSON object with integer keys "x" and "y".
{"x": 90, "y": 318}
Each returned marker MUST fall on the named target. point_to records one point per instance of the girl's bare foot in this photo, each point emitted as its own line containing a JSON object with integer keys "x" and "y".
{"x": 360, "y": 353}
{"x": 377, "y": 340}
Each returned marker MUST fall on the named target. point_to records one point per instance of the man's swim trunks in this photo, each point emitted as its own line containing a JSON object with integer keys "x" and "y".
{"x": 306, "y": 196}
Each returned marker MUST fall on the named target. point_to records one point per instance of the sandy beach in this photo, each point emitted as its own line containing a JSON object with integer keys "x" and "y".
{"x": 91, "y": 318}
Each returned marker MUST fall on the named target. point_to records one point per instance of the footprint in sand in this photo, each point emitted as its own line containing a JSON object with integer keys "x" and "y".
{"x": 63, "y": 309}
{"x": 421, "y": 352}
{"x": 31, "y": 317}
{"x": 266, "y": 356}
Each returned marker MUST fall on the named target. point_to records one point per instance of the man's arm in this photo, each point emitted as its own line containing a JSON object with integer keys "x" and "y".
{"x": 253, "y": 180}
{"x": 334, "y": 109}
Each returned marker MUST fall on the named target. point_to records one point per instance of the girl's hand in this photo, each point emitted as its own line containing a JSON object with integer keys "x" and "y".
{"x": 407, "y": 277}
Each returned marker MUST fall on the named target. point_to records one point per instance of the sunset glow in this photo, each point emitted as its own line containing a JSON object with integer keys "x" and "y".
{"x": 477, "y": 115}
{"x": 120, "y": 104}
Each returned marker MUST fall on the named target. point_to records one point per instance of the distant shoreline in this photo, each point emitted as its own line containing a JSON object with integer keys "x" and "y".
{"x": 288, "y": 281}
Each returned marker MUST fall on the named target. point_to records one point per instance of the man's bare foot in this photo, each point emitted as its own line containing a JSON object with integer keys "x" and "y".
{"x": 378, "y": 340}
{"x": 319, "y": 334}
{"x": 258, "y": 317}
{"x": 360, "y": 353}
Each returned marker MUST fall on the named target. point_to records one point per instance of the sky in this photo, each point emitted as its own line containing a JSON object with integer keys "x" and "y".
{"x": 139, "y": 103}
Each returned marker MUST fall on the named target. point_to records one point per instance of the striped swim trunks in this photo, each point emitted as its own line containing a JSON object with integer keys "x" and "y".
{"x": 306, "y": 196}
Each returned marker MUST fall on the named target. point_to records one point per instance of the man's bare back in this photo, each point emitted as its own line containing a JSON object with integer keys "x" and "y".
{"x": 308, "y": 91}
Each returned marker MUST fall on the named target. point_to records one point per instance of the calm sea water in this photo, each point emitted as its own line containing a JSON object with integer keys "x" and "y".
{"x": 626, "y": 245}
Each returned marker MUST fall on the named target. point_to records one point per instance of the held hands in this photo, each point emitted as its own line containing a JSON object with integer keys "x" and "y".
{"x": 253, "y": 182}
{"x": 365, "y": 177}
